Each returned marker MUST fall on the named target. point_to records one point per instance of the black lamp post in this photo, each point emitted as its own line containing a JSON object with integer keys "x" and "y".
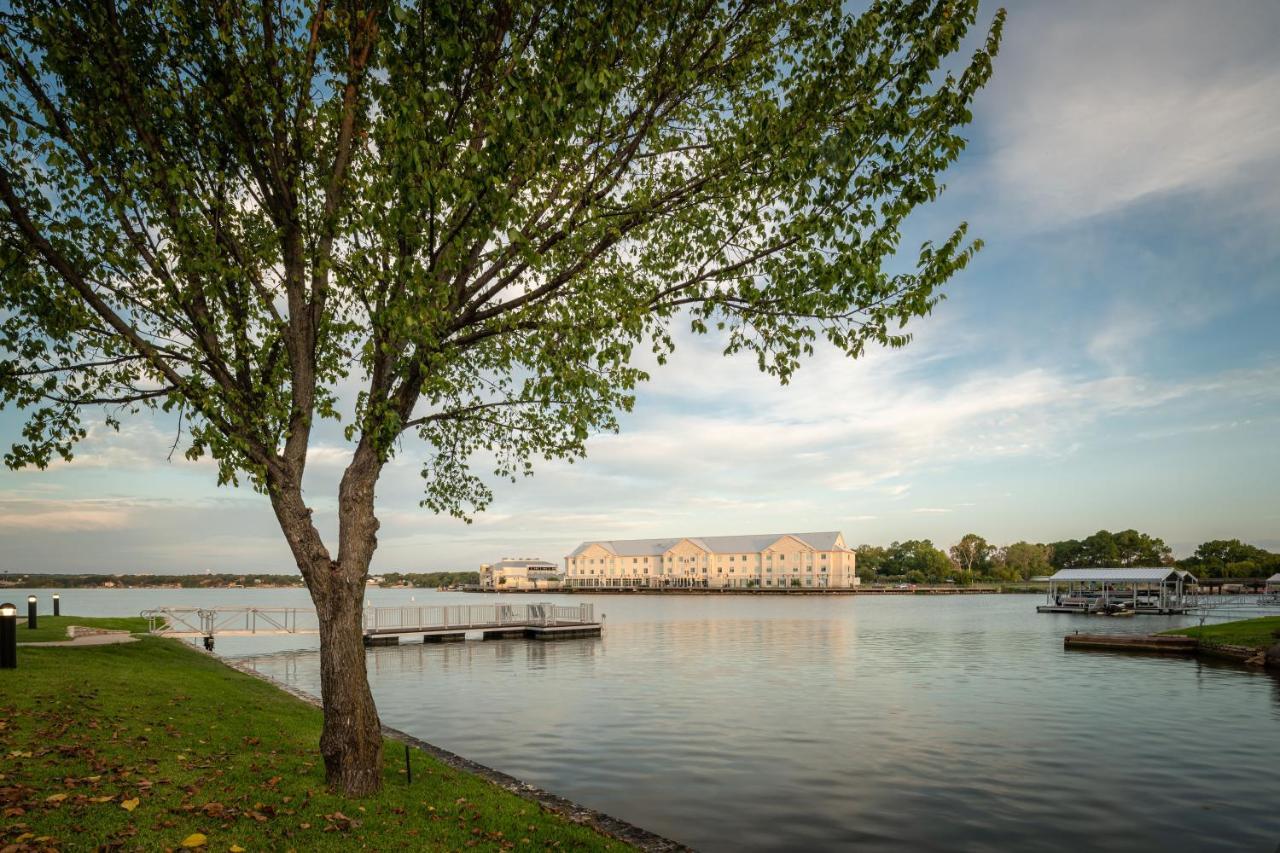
{"x": 31, "y": 611}
{"x": 57, "y": 605}
{"x": 8, "y": 636}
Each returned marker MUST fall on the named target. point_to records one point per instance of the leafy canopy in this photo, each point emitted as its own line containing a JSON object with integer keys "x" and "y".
{"x": 452, "y": 220}
{"x": 1106, "y": 549}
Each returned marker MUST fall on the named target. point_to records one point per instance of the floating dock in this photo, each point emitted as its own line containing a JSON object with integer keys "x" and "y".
{"x": 385, "y": 626}
{"x": 1090, "y": 609}
{"x": 443, "y": 624}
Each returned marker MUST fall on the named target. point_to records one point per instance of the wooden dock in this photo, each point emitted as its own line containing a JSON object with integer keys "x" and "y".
{"x": 1153, "y": 643}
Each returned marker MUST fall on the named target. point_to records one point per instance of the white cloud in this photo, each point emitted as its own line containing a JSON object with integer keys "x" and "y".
{"x": 62, "y": 516}
{"x": 328, "y": 456}
{"x": 1095, "y": 112}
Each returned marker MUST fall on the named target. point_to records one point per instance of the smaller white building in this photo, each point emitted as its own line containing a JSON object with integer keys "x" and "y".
{"x": 520, "y": 573}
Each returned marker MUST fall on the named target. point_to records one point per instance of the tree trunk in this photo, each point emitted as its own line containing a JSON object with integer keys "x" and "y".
{"x": 351, "y": 742}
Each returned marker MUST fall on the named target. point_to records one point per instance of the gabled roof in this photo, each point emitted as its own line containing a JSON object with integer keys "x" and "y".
{"x": 821, "y": 541}
{"x": 1121, "y": 575}
{"x": 525, "y": 564}
{"x": 1274, "y": 578}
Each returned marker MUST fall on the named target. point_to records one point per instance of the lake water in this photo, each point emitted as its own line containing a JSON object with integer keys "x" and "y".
{"x": 831, "y": 723}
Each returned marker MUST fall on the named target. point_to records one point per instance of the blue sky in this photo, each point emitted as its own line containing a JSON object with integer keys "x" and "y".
{"x": 1111, "y": 359}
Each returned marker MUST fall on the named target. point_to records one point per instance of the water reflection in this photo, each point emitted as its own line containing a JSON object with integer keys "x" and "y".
{"x": 757, "y": 724}
{"x": 836, "y": 723}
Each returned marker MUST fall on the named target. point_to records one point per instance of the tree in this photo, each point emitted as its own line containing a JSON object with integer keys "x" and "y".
{"x": 1231, "y": 558}
{"x": 1065, "y": 554}
{"x": 871, "y": 560}
{"x": 473, "y": 213}
{"x": 1140, "y": 549}
{"x": 1024, "y": 560}
{"x": 917, "y": 555}
{"x": 970, "y": 553}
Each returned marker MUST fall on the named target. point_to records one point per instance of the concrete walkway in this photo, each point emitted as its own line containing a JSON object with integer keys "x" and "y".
{"x": 89, "y": 640}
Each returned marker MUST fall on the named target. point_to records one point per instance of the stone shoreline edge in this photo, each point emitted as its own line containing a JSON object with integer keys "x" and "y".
{"x": 612, "y": 827}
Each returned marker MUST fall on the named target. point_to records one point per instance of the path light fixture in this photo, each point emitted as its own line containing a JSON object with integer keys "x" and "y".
{"x": 57, "y": 605}
{"x": 8, "y": 636}
{"x": 31, "y": 612}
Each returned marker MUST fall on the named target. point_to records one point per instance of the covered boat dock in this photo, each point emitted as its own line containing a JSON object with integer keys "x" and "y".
{"x": 1119, "y": 592}
{"x": 1272, "y": 594}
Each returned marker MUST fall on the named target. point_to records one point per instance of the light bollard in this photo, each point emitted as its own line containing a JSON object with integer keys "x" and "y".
{"x": 8, "y": 636}
{"x": 57, "y": 605}
{"x": 31, "y": 611}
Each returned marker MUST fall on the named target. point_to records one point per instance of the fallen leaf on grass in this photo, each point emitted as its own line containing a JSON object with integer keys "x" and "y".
{"x": 129, "y": 805}
{"x": 195, "y": 839}
{"x": 55, "y": 798}
{"x": 236, "y": 848}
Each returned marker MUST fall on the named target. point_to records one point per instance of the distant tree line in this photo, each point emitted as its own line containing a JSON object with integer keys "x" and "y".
{"x": 216, "y": 580}
{"x": 974, "y": 559}
{"x": 86, "y": 581}
{"x": 431, "y": 580}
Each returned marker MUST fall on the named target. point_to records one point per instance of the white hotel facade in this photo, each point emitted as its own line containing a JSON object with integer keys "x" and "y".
{"x": 760, "y": 561}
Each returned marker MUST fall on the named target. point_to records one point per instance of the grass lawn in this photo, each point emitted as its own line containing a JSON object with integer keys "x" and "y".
{"x": 55, "y": 627}
{"x": 154, "y": 745}
{"x": 1257, "y": 633}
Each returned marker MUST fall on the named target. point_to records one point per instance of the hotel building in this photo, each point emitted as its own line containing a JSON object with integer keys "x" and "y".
{"x": 769, "y": 560}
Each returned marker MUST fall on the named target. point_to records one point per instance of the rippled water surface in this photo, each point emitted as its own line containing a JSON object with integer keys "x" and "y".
{"x": 834, "y": 723}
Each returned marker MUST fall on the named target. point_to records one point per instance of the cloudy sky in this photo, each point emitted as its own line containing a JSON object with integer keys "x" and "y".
{"x": 1111, "y": 359}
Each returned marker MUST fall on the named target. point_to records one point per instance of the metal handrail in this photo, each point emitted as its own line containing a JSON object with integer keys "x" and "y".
{"x": 206, "y": 622}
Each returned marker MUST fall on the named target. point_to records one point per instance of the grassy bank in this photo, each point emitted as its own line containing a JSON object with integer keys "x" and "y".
{"x": 153, "y": 745}
{"x": 49, "y": 628}
{"x": 1254, "y": 633}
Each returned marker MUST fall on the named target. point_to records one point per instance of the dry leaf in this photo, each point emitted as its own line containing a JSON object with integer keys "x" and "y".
{"x": 129, "y": 805}
{"x": 195, "y": 839}
{"x": 55, "y": 798}
{"x": 236, "y": 848}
